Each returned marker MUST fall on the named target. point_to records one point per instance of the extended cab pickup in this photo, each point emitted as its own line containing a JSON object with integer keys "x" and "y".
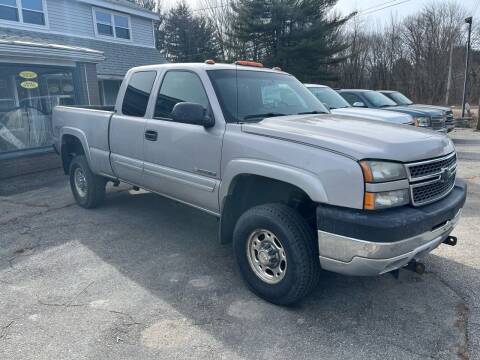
{"x": 296, "y": 188}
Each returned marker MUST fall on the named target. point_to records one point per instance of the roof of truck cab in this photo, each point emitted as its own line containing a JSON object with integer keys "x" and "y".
{"x": 387, "y": 91}
{"x": 203, "y": 66}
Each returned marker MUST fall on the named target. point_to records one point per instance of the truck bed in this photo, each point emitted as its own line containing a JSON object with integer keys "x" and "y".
{"x": 110, "y": 108}
{"x": 91, "y": 125}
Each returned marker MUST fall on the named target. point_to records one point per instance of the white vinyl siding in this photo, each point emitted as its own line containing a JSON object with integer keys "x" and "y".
{"x": 76, "y": 19}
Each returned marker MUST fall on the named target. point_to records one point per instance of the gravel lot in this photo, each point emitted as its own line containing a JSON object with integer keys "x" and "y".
{"x": 143, "y": 278}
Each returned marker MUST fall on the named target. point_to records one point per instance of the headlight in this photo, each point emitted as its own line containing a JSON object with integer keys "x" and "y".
{"x": 386, "y": 199}
{"x": 381, "y": 171}
{"x": 421, "y": 121}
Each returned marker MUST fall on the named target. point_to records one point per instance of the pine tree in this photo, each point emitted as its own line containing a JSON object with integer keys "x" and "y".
{"x": 297, "y": 35}
{"x": 147, "y": 4}
{"x": 184, "y": 37}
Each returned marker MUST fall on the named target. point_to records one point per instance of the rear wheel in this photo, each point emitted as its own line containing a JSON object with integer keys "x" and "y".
{"x": 276, "y": 252}
{"x": 88, "y": 189}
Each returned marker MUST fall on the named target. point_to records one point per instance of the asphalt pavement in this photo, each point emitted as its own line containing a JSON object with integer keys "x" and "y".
{"x": 144, "y": 277}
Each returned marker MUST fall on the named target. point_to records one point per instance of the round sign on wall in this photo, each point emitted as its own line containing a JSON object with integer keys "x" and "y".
{"x": 28, "y": 74}
{"x": 29, "y": 84}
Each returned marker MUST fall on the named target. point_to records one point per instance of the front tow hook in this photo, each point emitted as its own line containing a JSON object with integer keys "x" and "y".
{"x": 450, "y": 240}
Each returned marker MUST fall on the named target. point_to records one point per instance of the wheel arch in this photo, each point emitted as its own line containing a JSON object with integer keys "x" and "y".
{"x": 73, "y": 142}
{"x": 248, "y": 183}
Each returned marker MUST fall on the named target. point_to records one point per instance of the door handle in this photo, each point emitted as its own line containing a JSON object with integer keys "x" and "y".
{"x": 151, "y": 135}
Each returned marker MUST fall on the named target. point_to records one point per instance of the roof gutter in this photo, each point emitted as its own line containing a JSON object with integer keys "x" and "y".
{"x": 49, "y": 51}
{"x": 119, "y": 6}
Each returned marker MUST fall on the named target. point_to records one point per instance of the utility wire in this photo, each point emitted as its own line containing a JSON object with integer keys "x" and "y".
{"x": 363, "y": 13}
{"x": 367, "y": 11}
{"x": 376, "y": 6}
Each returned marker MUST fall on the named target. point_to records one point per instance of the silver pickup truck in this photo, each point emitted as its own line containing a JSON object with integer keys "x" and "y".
{"x": 296, "y": 189}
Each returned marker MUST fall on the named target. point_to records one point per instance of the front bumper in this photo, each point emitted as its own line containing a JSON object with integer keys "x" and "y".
{"x": 361, "y": 243}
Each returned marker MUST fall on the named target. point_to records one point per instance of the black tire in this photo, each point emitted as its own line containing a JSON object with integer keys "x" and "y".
{"x": 297, "y": 238}
{"x": 95, "y": 192}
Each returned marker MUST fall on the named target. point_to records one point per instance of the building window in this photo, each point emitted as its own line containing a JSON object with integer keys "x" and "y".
{"x": 23, "y": 11}
{"x": 9, "y": 10}
{"x": 32, "y": 11}
{"x": 28, "y": 94}
{"x": 112, "y": 24}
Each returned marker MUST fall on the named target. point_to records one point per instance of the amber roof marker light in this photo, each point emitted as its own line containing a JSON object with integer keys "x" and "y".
{"x": 248, "y": 63}
{"x": 210, "y": 62}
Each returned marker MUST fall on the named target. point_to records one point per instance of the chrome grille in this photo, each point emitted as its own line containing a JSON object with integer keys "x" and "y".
{"x": 432, "y": 167}
{"x": 431, "y": 180}
{"x": 438, "y": 122}
{"x": 423, "y": 193}
{"x": 450, "y": 119}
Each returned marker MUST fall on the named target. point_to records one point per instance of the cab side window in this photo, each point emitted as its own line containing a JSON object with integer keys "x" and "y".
{"x": 138, "y": 91}
{"x": 179, "y": 86}
{"x": 351, "y": 98}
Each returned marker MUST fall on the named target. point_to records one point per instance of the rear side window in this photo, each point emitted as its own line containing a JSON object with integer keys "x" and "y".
{"x": 351, "y": 98}
{"x": 179, "y": 86}
{"x": 138, "y": 91}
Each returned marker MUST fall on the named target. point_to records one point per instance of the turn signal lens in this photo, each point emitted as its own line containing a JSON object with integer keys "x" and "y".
{"x": 369, "y": 201}
{"x": 367, "y": 172}
{"x": 381, "y": 171}
{"x": 386, "y": 199}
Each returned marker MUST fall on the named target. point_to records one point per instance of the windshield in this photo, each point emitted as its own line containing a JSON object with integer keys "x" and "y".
{"x": 400, "y": 99}
{"x": 378, "y": 100}
{"x": 254, "y": 95}
{"x": 329, "y": 97}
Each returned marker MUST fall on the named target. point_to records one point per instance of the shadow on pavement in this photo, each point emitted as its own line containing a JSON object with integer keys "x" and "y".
{"x": 171, "y": 250}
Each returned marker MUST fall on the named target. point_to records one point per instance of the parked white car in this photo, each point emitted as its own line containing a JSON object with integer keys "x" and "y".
{"x": 339, "y": 106}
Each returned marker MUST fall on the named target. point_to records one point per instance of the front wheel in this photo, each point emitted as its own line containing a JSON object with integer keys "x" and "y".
{"x": 276, "y": 252}
{"x": 88, "y": 189}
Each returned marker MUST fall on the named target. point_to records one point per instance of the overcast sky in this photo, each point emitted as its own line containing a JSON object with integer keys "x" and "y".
{"x": 399, "y": 8}
{"x": 372, "y": 9}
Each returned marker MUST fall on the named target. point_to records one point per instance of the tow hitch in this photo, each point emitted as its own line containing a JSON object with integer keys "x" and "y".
{"x": 451, "y": 240}
{"x": 416, "y": 267}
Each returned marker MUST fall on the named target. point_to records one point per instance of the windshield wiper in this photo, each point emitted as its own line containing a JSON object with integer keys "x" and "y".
{"x": 263, "y": 116}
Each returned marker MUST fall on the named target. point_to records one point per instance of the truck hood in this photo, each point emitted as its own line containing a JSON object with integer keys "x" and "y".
{"x": 434, "y": 107}
{"x": 355, "y": 138}
{"x": 375, "y": 114}
{"x": 415, "y": 110}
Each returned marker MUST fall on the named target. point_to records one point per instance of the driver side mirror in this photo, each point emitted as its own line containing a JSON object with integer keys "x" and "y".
{"x": 358, "y": 104}
{"x": 192, "y": 113}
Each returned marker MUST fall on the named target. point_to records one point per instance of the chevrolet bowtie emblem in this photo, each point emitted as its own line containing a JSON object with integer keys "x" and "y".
{"x": 445, "y": 175}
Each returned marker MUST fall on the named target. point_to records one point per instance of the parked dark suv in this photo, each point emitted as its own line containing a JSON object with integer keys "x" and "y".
{"x": 424, "y": 117}
{"x": 401, "y": 99}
